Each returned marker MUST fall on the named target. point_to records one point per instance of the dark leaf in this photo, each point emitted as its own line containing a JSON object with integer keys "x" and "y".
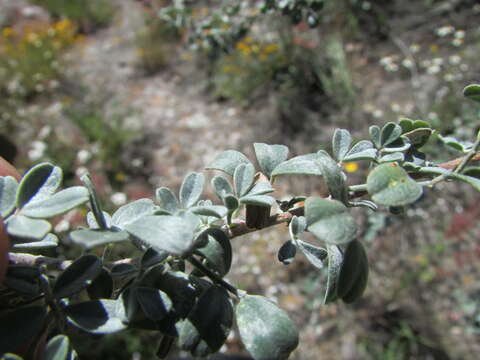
{"x": 77, "y": 276}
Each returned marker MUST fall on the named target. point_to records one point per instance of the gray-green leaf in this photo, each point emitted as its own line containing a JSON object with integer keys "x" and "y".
{"x": 390, "y": 132}
{"x": 8, "y": 191}
{"x": 314, "y": 254}
{"x": 191, "y": 189}
{"x": 131, "y": 212}
{"x": 389, "y": 185}
{"x": 266, "y": 330}
{"x": 341, "y": 143}
{"x": 167, "y": 199}
{"x": 96, "y": 237}
{"x": 270, "y": 156}
{"x": 335, "y": 258}
{"x": 173, "y": 234}
{"x": 260, "y": 200}
{"x": 333, "y": 176}
{"x": 228, "y": 161}
{"x": 221, "y": 186}
{"x": 329, "y": 220}
{"x": 57, "y": 204}
{"x": 39, "y": 182}
{"x": 363, "y": 150}
{"x": 299, "y": 165}
{"x": 243, "y": 178}
{"x": 24, "y": 227}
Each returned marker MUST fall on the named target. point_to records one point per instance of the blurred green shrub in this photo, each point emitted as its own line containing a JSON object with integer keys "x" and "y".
{"x": 89, "y": 15}
{"x": 155, "y": 44}
{"x": 251, "y": 65}
{"x": 31, "y": 63}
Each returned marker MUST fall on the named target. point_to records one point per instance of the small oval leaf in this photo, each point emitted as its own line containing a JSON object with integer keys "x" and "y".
{"x": 270, "y": 156}
{"x": 39, "y": 182}
{"x": 167, "y": 199}
{"x": 389, "y": 185}
{"x": 243, "y": 178}
{"x": 8, "y": 191}
{"x": 57, "y": 348}
{"x": 341, "y": 143}
{"x": 299, "y": 165}
{"x": 23, "y": 227}
{"x": 228, "y": 161}
{"x": 77, "y": 276}
{"x": 266, "y": 330}
{"x": 191, "y": 189}
{"x": 287, "y": 252}
{"x": 57, "y": 204}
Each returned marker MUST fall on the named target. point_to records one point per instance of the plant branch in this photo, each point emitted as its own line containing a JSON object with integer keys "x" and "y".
{"x": 214, "y": 277}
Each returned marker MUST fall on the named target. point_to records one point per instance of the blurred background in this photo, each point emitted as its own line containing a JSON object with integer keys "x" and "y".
{"x": 142, "y": 92}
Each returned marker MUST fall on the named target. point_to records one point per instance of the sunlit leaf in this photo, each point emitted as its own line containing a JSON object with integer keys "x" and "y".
{"x": 389, "y": 185}
{"x": 299, "y": 165}
{"x": 329, "y": 220}
{"x": 270, "y": 156}
{"x": 228, "y": 161}
{"x": 191, "y": 189}
{"x": 266, "y": 330}
{"x": 57, "y": 204}
{"x": 243, "y": 178}
{"x": 39, "y": 182}
{"x": 8, "y": 192}
{"x": 341, "y": 143}
{"x": 92, "y": 238}
{"x": 167, "y": 199}
{"x": 131, "y": 212}
{"x": 23, "y": 227}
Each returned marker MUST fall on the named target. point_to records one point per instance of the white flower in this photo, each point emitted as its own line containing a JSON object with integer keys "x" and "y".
{"x": 391, "y": 67}
{"x": 433, "y": 69}
{"x": 414, "y": 48}
{"x": 459, "y": 34}
{"x": 457, "y": 42}
{"x": 408, "y": 63}
{"x": 81, "y": 171}
{"x": 437, "y": 61}
{"x": 377, "y": 113}
{"x": 83, "y": 156}
{"x": 454, "y": 59}
{"x": 445, "y": 30}
{"x": 118, "y": 198}
{"x": 395, "y": 107}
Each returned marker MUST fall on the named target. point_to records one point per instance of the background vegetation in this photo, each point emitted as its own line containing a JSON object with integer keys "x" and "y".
{"x": 129, "y": 89}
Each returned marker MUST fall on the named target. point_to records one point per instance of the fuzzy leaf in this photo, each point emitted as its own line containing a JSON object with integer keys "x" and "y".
{"x": 191, "y": 189}
{"x": 243, "y": 178}
{"x": 390, "y": 132}
{"x": 92, "y": 238}
{"x": 217, "y": 211}
{"x": 98, "y": 316}
{"x": 418, "y": 137}
{"x": 95, "y": 202}
{"x": 221, "y": 186}
{"x": 259, "y": 200}
{"x": 209, "y": 323}
{"x": 314, "y": 254}
{"x": 26, "y": 228}
{"x": 155, "y": 303}
{"x": 8, "y": 191}
{"x": 266, "y": 330}
{"x": 329, "y": 220}
{"x": 57, "y": 348}
{"x": 374, "y": 132}
{"x": 354, "y": 268}
{"x": 363, "y": 150}
{"x": 167, "y": 199}
{"x": 396, "y": 156}
{"x": 217, "y": 251}
{"x": 335, "y": 258}
{"x": 77, "y": 276}
{"x": 341, "y": 143}
{"x": 101, "y": 287}
{"x": 50, "y": 240}
{"x": 133, "y": 211}
{"x": 261, "y": 188}
{"x": 92, "y": 222}
{"x": 270, "y": 156}
{"x": 287, "y": 252}
{"x": 299, "y": 165}
{"x": 389, "y": 185}
{"x": 463, "y": 146}
{"x": 228, "y": 161}
{"x": 333, "y": 176}
{"x": 39, "y": 182}
{"x": 173, "y": 234}
{"x": 57, "y": 204}
{"x": 297, "y": 225}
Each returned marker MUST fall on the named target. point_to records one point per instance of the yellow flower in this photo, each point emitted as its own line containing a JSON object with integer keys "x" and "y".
{"x": 351, "y": 167}
{"x": 7, "y": 32}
